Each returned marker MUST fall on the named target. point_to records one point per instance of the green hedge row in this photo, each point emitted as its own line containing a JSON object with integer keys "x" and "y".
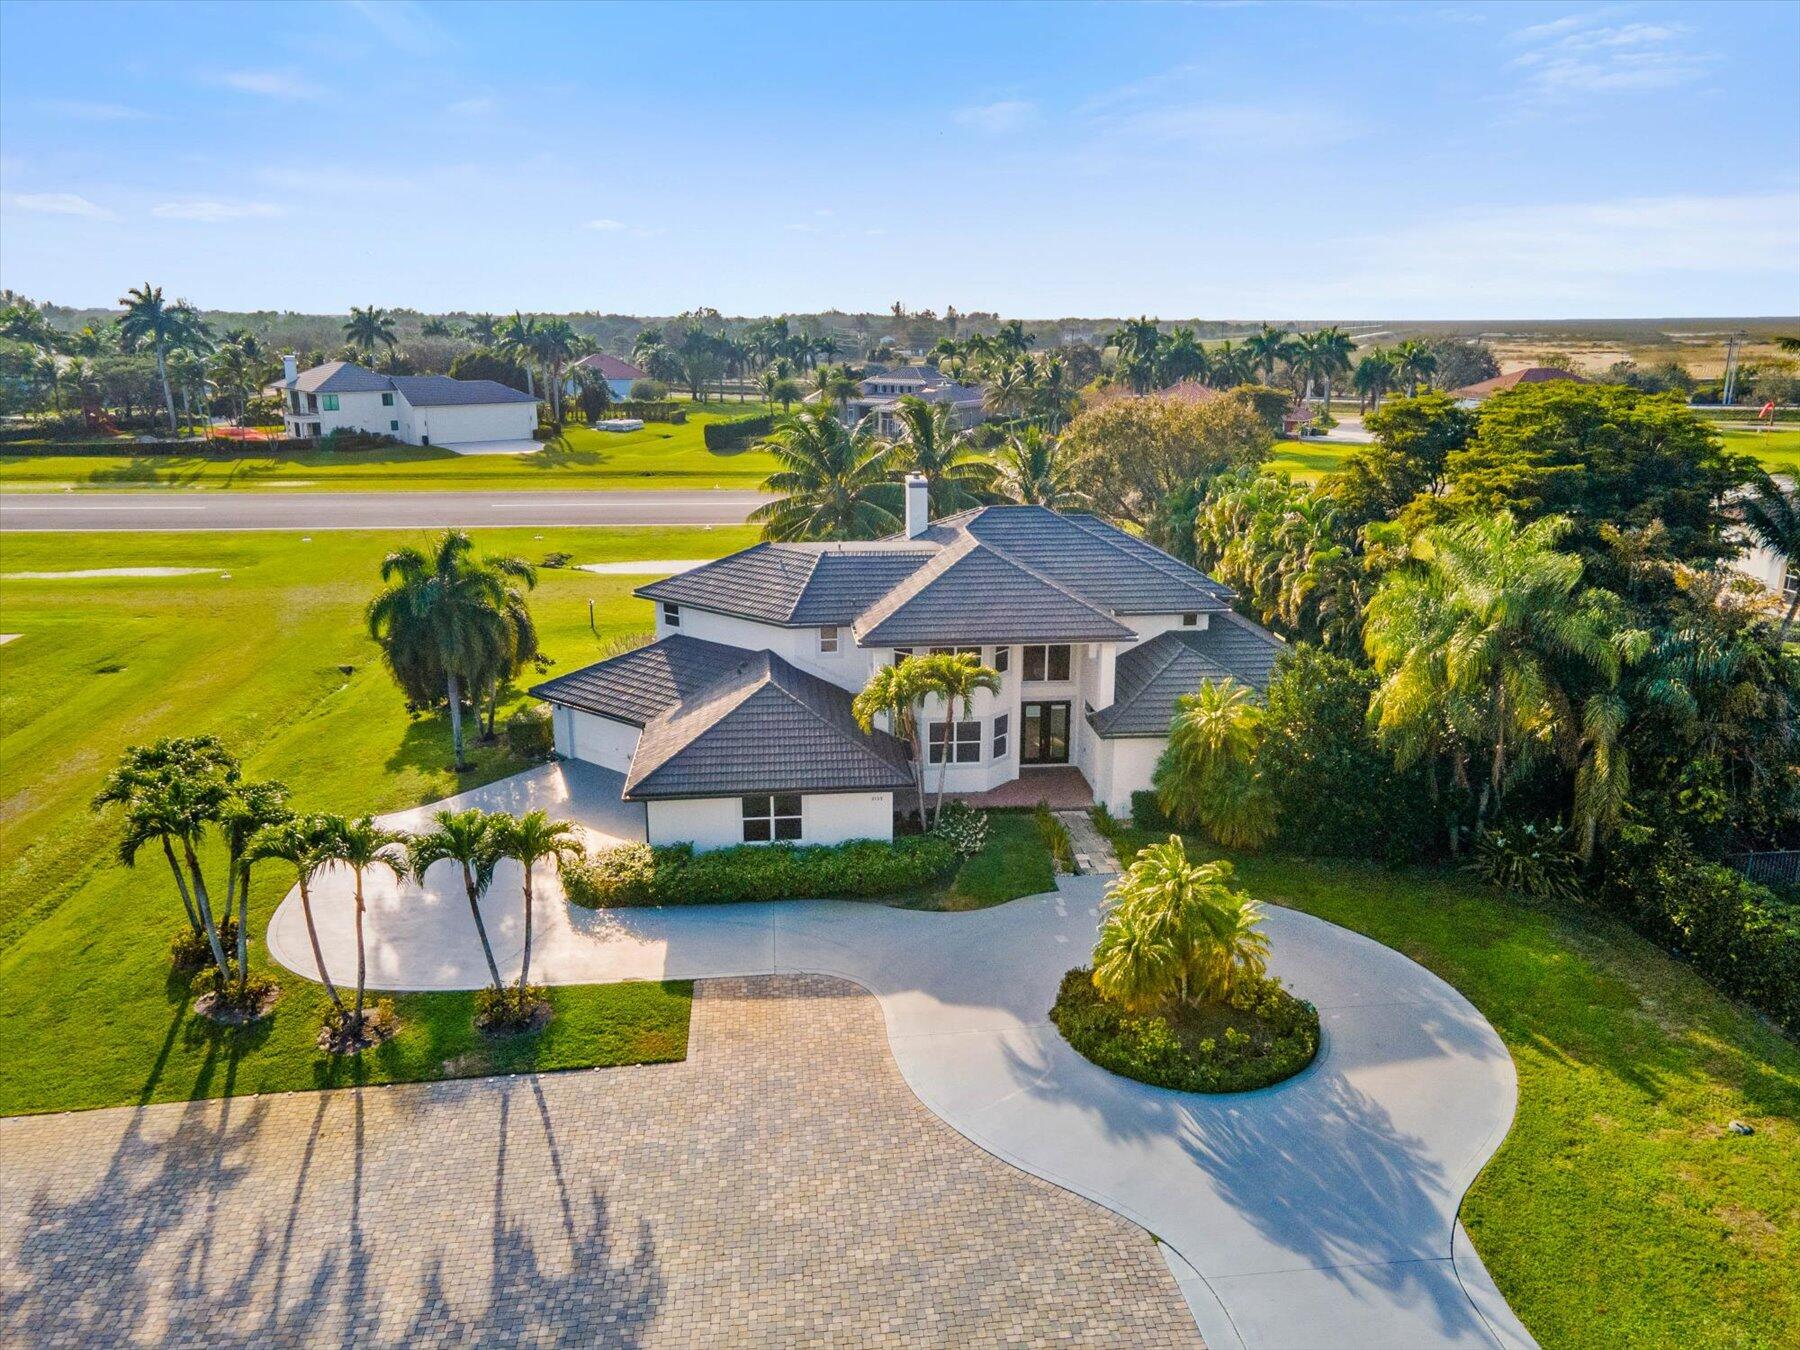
{"x": 637, "y": 874}
{"x": 221, "y": 447}
{"x": 738, "y": 432}
{"x": 648, "y": 411}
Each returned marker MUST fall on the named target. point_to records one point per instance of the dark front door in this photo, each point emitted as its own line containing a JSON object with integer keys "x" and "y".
{"x": 1045, "y": 733}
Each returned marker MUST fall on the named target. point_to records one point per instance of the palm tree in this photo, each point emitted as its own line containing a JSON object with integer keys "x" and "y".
{"x": 149, "y": 321}
{"x": 517, "y": 340}
{"x": 1231, "y": 366}
{"x": 368, "y": 328}
{"x": 934, "y": 443}
{"x": 305, "y": 845}
{"x": 898, "y": 693}
{"x": 1413, "y": 362}
{"x": 444, "y": 620}
{"x": 1373, "y": 377}
{"x": 1208, "y": 772}
{"x": 529, "y": 840}
{"x": 1182, "y": 358}
{"x": 1330, "y": 357}
{"x": 835, "y": 483}
{"x": 954, "y": 677}
{"x": 1773, "y": 519}
{"x": 1008, "y": 390}
{"x": 481, "y": 329}
{"x": 436, "y": 328}
{"x": 1031, "y": 469}
{"x": 556, "y": 344}
{"x": 234, "y": 371}
{"x": 467, "y": 838}
{"x": 251, "y": 807}
{"x": 1270, "y": 348}
{"x": 360, "y": 845}
{"x": 834, "y": 385}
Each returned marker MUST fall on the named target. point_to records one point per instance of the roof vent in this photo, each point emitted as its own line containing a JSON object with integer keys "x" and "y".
{"x": 918, "y": 504}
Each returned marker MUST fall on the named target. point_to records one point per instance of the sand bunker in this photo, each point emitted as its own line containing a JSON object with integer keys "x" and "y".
{"x": 110, "y": 572}
{"x": 654, "y": 567}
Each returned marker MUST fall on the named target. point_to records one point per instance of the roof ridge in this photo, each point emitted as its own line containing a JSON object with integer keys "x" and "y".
{"x": 946, "y": 556}
{"x": 1048, "y": 580}
{"x": 1102, "y": 532}
{"x": 862, "y": 745}
{"x": 1174, "y": 654}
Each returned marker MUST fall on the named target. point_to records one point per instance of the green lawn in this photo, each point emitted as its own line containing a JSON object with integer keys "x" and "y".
{"x": 1309, "y": 460}
{"x": 1014, "y": 863}
{"x": 1777, "y": 448}
{"x": 661, "y": 455}
{"x": 271, "y": 656}
{"x": 1619, "y": 1211}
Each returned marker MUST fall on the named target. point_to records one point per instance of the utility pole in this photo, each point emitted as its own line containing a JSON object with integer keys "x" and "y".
{"x": 1731, "y": 350}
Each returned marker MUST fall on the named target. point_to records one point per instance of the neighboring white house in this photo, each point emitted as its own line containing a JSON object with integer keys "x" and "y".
{"x": 879, "y": 397}
{"x": 619, "y": 375}
{"x": 418, "y": 409}
{"x": 735, "y": 726}
{"x": 1777, "y": 574}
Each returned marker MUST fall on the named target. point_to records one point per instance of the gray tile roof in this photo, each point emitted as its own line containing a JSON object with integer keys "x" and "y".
{"x": 440, "y": 391}
{"x": 1096, "y": 560}
{"x": 765, "y": 726}
{"x": 798, "y": 585}
{"x": 1150, "y": 677}
{"x": 341, "y": 377}
{"x": 644, "y": 683}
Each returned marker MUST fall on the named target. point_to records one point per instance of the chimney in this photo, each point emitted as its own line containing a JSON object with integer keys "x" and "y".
{"x": 290, "y": 368}
{"x": 918, "y": 505}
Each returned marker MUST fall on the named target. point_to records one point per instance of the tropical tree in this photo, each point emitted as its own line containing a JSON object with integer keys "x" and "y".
{"x": 436, "y": 327}
{"x": 1414, "y": 364}
{"x": 1270, "y": 349}
{"x": 1373, "y": 377}
{"x": 1175, "y": 932}
{"x": 305, "y": 844}
{"x": 1772, "y": 518}
{"x": 531, "y": 839}
{"x": 517, "y": 340}
{"x": 1231, "y": 366}
{"x": 1327, "y": 356}
{"x": 470, "y": 839}
{"x": 150, "y": 322}
{"x": 250, "y": 808}
{"x": 1136, "y": 342}
{"x": 953, "y": 677}
{"x": 834, "y": 385}
{"x": 555, "y": 345}
{"x": 932, "y": 442}
{"x": 1032, "y": 469}
{"x": 368, "y": 328}
{"x": 898, "y": 693}
{"x": 449, "y": 619}
{"x": 482, "y": 329}
{"x": 359, "y": 845}
{"x": 1207, "y": 774}
{"x": 834, "y": 483}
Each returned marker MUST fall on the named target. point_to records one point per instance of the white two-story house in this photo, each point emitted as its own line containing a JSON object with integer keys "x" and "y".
{"x": 879, "y": 394}
{"x": 734, "y": 725}
{"x": 416, "y": 409}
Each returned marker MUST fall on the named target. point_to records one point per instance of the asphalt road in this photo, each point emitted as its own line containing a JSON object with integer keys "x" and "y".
{"x": 365, "y": 510}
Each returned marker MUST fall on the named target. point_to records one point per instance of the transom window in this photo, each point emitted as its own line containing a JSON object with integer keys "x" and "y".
{"x": 671, "y": 614}
{"x": 1002, "y": 659}
{"x": 1002, "y": 728}
{"x": 1047, "y": 663}
{"x": 963, "y": 738}
{"x": 772, "y": 818}
{"x": 957, "y": 651}
{"x": 329, "y": 403}
{"x": 828, "y": 640}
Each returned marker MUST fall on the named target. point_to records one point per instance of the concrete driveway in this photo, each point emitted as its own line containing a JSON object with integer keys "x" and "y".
{"x": 1318, "y": 1212}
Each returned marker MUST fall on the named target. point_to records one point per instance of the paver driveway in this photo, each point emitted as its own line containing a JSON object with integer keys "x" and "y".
{"x": 1321, "y": 1211}
{"x": 780, "y": 1187}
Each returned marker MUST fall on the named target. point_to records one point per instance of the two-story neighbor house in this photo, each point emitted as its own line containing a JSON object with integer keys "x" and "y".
{"x": 879, "y": 395}
{"x": 418, "y": 409}
{"x": 735, "y": 724}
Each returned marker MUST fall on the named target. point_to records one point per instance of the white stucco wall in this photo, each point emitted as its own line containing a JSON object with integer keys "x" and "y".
{"x": 355, "y": 412}
{"x": 849, "y": 668}
{"x": 1149, "y": 625}
{"x": 1129, "y": 766}
{"x": 598, "y": 740}
{"x": 471, "y": 422}
{"x": 718, "y": 822}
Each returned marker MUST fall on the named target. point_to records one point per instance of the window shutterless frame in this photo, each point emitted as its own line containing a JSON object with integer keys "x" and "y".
{"x": 671, "y": 614}
{"x": 964, "y": 739}
{"x": 1002, "y": 729}
{"x": 771, "y": 818}
{"x": 1047, "y": 663}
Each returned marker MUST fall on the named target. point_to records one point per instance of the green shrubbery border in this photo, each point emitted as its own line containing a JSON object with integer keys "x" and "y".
{"x": 638, "y": 874}
{"x": 737, "y": 433}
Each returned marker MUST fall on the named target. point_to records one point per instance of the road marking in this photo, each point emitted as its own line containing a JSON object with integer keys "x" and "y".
{"x": 104, "y": 506}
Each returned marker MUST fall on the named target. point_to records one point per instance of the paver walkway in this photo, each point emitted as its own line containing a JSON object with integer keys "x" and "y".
{"x": 781, "y": 1187}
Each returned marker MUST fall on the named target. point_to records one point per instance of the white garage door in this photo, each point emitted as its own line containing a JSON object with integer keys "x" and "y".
{"x": 602, "y": 741}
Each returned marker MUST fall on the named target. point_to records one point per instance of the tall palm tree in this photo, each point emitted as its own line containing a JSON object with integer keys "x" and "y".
{"x": 481, "y": 329}
{"x": 1414, "y": 363}
{"x": 1182, "y": 358}
{"x": 953, "y": 677}
{"x": 444, "y": 620}
{"x": 835, "y": 483}
{"x": 467, "y": 838}
{"x": 1008, "y": 390}
{"x": 1330, "y": 357}
{"x": 368, "y": 328}
{"x": 517, "y": 340}
{"x": 1031, "y": 469}
{"x": 305, "y": 845}
{"x": 1373, "y": 377}
{"x": 359, "y": 845}
{"x": 932, "y": 442}
{"x": 251, "y": 807}
{"x": 556, "y": 344}
{"x": 531, "y": 839}
{"x": 898, "y": 693}
{"x": 1231, "y": 366}
{"x": 1772, "y": 517}
{"x": 436, "y": 328}
{"x": 150, "y": 321}
{"x": 1269, "y": 349}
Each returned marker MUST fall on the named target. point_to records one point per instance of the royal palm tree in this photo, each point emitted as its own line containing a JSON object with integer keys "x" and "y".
{"x": 1231, "y": 366}
{"x": 150, "y": 322}
{"x": 359, "y": 845}
{"x": 1208, "y": 772}
{"x": 368, "y": 328}
{"x": 517, "y": 340}
{"x": 481, "y": 329}
{"x": 932, "y": 442}
{"x": 467, "y": 838}
{"x": 898, "y": 693}
{"x": 1414, "y": 363}
{"x": 1373, "y": 377}
{"x": 304, "y": 844}
{"x": 834, "y": 483}
{"x": 953, "y": 677}
{"x": 1329, "y": 357}
{"x": 1182, "y": 357}
{"x": 531, "y": 839}
{"x": 556, "y": 344}
{"x": 1270, "y": 349}
{"x": 1773, "y": 519}
{"x": 444, "y": 621}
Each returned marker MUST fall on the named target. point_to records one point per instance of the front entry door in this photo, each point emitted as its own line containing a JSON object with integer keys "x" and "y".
{"x": 1044, "y": 733}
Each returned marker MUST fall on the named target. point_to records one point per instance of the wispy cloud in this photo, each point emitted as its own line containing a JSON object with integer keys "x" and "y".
{"x": 603, "y": 223}
{"x": 90, "y": 110}
{"x": 403, "y": 24}
{"x": 276, "y": 84}
{"x": 58, "y": 204}
{"x": 213, "y": 211}
{"x": 479, "y": 106}
{"x": 1585, "y": 54}
{"x": 999, "y": 118}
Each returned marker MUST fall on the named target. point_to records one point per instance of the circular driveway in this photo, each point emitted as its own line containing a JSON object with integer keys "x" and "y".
{"x": 1321, "y": 1211}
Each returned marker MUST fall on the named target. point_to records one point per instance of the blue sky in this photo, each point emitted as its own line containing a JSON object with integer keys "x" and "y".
{"x": 1233, "y": 160}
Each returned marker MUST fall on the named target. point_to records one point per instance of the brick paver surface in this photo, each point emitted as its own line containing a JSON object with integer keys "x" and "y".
{"x": 782, "y": 1187}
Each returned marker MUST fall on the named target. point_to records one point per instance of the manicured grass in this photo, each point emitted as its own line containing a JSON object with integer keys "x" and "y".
{"x": 1777, "y": 448}
{"x": 1014, "y": 863}
{"x": 661, "y": 455}
{"x": 1620, "y": 1210}
{"x": 272, "y": 657}
{"x": 1309, "y": 460}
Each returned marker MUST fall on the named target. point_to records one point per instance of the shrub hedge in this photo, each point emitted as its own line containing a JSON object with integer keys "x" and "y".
{"x": 221, "y": 447}
{"x": 1148, "y": 1049}
{"x": 638, "y": 874}
{"x": 737, "y": 433}
{"x": 649, "y": 410}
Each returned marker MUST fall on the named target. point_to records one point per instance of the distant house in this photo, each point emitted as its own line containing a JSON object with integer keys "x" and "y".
{"x": 620, "y": 375}
{"x": 1298, "y": 420}
{"x": 417, "y": 409}
{"x": 879, "y": 394}
{"x": 1777, "y": 574}
{"x": 1192, "y": 391}
{"x": 1471, "y": 394}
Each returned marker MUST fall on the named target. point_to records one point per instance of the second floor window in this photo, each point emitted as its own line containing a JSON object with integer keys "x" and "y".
{"x": 828, "y": 640}
{"x": 1002, "y": 659}
{"x": 387, "y": 400}
{"x": 1047, "y": 663}
{"x": 671, "y": 615}
{"x": 330, "y": 402}
{"x": 962, "y": 738}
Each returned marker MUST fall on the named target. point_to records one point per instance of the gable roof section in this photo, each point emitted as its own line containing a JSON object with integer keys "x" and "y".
{"x": 640, "y": 685}
{"x": 1513, "y": 379}
{"x": 1095, "y": 560}
{"x": 972, "y": 593}
{"x": 440, "y": 391}
{"x": 801, "y": 585}
{"x": 611, "y": 367}
{"x": 1152, "y": 676}
{"x": 765, "y": 726}
{"x": 341, "y": 377}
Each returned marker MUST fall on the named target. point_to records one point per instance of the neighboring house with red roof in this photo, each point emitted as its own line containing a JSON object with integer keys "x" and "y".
{"x": 1471, "y": 394}
{"x": 619, "y": 375}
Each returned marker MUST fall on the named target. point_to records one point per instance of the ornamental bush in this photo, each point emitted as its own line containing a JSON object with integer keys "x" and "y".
{"x": 637, "y": 874}
{"x": 962, "y": 827}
